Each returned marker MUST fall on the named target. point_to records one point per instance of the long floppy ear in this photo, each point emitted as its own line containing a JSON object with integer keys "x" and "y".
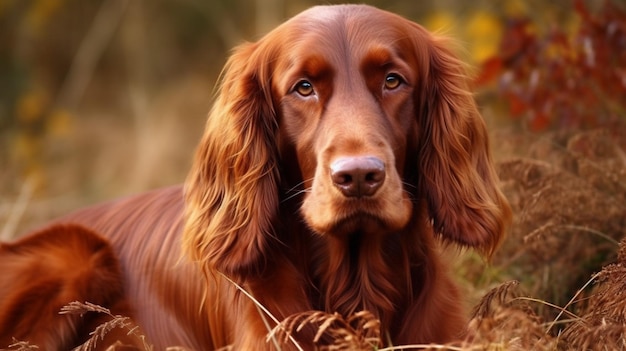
{"x": 456, "y": 171}
{"x": 231, "y": 193}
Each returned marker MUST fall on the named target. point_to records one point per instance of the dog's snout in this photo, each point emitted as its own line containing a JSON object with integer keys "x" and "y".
{"x": 358, "y": 176}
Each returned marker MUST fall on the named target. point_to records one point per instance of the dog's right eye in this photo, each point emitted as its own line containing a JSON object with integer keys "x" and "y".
{"x": 304, "y": 88}
{"x": 392, "y": 81}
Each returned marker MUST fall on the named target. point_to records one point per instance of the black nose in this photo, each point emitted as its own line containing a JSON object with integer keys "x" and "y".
{"x": 358, "y": 176}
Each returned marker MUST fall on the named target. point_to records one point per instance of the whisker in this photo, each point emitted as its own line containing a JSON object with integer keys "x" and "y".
{"x": 407, "y": 190}
{"x": 409, "y": 185}
{"x": 308, "y": 190}
{"x": 296, "y": 191}
{"x": 293, "y": 188}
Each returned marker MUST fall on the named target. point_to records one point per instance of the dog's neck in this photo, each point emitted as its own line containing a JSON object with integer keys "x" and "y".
{"x": 377, "y": 271}
{"x": 373, "y": 272}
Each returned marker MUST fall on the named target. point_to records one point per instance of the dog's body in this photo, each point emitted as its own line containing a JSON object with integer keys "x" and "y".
{"x": 162, "y": 289}
{"x": 341, "y": 147}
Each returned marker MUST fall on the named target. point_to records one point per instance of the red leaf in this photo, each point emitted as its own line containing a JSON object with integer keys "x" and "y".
{"x": 517, "y": 106}
{"x": 539, "y": 122}
{"x": 490, "y": 69}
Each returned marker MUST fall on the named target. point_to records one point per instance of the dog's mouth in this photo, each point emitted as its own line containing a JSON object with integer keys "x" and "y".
{"x": 363, "y": 216}
{"x": 359, "y": 222}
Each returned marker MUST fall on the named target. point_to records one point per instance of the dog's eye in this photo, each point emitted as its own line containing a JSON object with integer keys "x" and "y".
{"x": 392, "y": 81}
{"x": 304, "y": 88}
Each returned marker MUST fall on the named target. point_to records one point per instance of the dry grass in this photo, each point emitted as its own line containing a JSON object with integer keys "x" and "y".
{"x": 569, "y": 194}
{"x": 116, "y": 321}
{"x": 22, "y": 346}
{"x": 360, "y": 331}
{"x": 505, "y": 320}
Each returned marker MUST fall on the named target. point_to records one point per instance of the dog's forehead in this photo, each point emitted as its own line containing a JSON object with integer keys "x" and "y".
{"x": 344, "y": 28}
{"x": 331, "y": 12}
{"x": 341, "y": 14}
{"x": 320, "y": 13}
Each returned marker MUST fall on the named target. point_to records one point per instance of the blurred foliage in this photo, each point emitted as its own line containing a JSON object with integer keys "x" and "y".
{"x": 573, "y": 77}
{"x": 97, "y": 95}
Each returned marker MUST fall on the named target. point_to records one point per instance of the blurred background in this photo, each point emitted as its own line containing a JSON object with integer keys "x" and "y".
{"x": 105, "y": 98}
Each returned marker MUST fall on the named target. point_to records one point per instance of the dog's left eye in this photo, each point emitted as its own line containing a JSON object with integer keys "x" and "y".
{"x": 392, "y": 81}
{"x": 304, "y": 88}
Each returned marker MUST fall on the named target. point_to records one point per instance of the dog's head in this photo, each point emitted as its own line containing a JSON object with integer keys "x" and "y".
{"x": 373, "y": 114}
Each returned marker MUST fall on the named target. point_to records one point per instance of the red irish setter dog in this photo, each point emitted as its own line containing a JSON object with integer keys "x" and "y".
{"x": 342, "y": 149}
